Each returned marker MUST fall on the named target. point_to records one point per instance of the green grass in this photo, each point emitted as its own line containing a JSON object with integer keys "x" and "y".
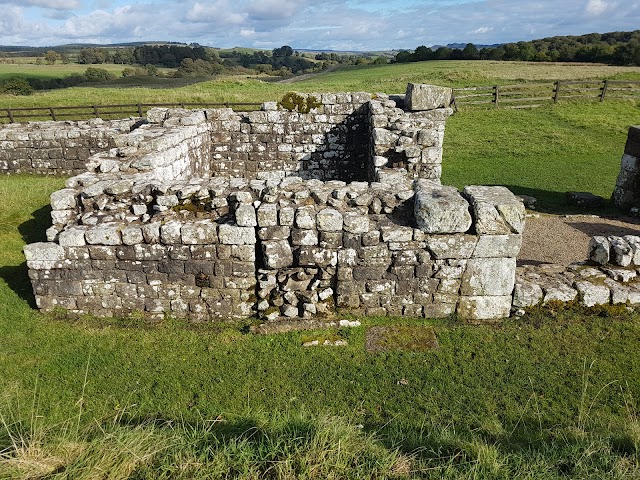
{"x": 543, "y": 152}
{"x": 542, "y": 397}
{"x": 374, "y": 78}
{"x": 552, "y": 395}
{"x": 52, "y": 71}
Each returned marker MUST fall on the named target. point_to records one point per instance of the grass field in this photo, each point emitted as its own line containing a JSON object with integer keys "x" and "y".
{"x": 552, "y": 395}
{"x": 540, "y": 397}
{"x": 380, "y": 78}
{"x": 30, "y": 70}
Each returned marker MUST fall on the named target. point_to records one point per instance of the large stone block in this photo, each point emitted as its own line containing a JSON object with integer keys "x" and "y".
{"x": 64, "y": 199}
{"x": 496, "y": 210}
{"x": 484, "y": 307}
{"x": 489, "y": 276}
{"x": 427, "y": 97}
{"x": 440, "y": 209}
{"x": 232, "y": 235}
{"x": 451, "y": 246}
{"x": 277, "y": 254}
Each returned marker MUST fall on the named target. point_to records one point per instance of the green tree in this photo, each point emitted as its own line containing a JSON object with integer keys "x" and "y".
{"x": 470, "y": 52}
{"x": 51, "y": 57}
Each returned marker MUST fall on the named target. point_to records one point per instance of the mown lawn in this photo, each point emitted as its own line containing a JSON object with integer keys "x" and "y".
{"x": 551, "y": 395}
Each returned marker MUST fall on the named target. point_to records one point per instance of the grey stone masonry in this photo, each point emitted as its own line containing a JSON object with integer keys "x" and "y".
{"x": 283, "y": 215}
{"x": 60, "y": 148}
{"x": 608, "y": 277}
{"x": 293, "y": 248}
{"x": 627, "y": 191}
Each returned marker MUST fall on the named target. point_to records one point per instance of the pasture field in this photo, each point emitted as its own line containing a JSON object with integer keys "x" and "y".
{"x": 551, "y": 395}
{"x": 59, "y": 70}
{"x": 374, "y": 78}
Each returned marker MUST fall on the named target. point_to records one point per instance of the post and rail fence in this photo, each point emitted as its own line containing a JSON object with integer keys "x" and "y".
{"x": 523, "y": 95}
{"x": 531, "y": 95}
{"x": 83, "y": 112}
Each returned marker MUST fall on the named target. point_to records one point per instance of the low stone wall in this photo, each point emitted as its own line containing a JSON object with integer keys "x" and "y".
{"x": 210, "y": 248}
{"x": 609, "y": 277}
{"x": 627, "y": 191}
{"x": 215, "y": 214}
{"x": 60, "y": 148}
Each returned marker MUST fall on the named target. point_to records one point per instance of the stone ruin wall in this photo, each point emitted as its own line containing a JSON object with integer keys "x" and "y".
{"x": 627, "y": 191}
{"x": 216, "y": 214}
{"x": 55, "y": 148}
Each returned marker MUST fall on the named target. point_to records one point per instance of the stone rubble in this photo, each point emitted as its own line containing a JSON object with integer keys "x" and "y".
{"x": 282, "y": 215}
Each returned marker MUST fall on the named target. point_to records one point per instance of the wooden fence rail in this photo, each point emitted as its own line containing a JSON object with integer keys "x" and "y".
{"x": 524, "y": 95}
{"x": 531, "y": 95}
{"x": 82, "y": 112}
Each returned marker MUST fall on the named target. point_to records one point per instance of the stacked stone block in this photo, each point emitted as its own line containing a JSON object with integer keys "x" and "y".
{"x": 329, "y": 142}
{"x": 59, "y": 148}
{"x": 407, "y": 133}
{"x": 273, "y": 232}
{"x": 295, "y": 248}
{"x": 627, "y": 191}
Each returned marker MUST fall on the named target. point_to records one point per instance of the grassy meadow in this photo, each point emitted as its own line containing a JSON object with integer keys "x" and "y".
{"x": 551, "y": 395}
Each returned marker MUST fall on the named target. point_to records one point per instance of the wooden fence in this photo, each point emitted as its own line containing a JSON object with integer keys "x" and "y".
{"x": 531, "y": 95}
{"x": 524, "y": 95}
{"x": 14, "y": 115}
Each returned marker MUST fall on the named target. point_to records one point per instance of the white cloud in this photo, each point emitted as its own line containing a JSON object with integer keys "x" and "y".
{"x": 329, "y": 24}
{"x": 596, "y": 7}
{"x": 52, "y": 4}
{"x": 481, "y": 30}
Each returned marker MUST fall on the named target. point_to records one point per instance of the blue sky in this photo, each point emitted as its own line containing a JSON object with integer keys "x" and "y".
{"x": 314, "y": 24}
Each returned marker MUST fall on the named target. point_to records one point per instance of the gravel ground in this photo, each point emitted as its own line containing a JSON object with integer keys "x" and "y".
{"x": 564, "y": 239}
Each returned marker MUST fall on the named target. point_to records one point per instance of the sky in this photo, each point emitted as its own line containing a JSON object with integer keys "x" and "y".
{"x": 309, "y": 24}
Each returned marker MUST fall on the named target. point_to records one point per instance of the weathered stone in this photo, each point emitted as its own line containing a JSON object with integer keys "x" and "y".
{"x": 267, "y": 215}
{"x": 557, "y": 291}
{"x": 634, "y": 244}
{"x": 620, "y": 274}
{"x": 329, "y": 220}
{"x": 526, "y": 294}
{"x": 104, "y": 235}
{"x": 496, "y": 210}
{"x": 599, "y": 250}
{"x": 72, "y": 237}
{"x": 621, "y": 253}
{"x": 64, "y": 199}
{"x": 355, "y": 223}
{"x": 170, "y": 232}
{"x": 315, "y": 256}
{"x": 427, "y": 97}
{"x": 440, "y": 209}
{"x": 489, "y": 276}
{"x": 43, "y": 251}
{"x": 451, "y": 246}
{"x": 277, "y": 254}
{"x": 498, "y": 246}
{"x": 584, "y": 200}
{"x": 204, "y": 232}
{"x": 591, "y": 294}
{"x": 484, "y": 307}
{"x": 305, "y": 217}
{"x": 246, "y": 215}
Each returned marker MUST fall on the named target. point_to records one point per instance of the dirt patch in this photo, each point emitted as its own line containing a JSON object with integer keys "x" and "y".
{"x": 564, "y": 239}
{"x": 407, "y": 338}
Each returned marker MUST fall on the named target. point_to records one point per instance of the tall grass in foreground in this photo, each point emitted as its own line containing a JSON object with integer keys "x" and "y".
{"x": 279, "y": 445}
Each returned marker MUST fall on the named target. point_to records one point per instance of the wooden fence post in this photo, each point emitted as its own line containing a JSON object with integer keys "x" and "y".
{"x": 139, "y": 109}
{"x": 496, "y": 95}
{"x": 556, "y": 93}
{"x": 52, "y": 113}
{"x": 95, "y": 110}
{"x": 10, "y": 113}
{"x": 604, "y": 90}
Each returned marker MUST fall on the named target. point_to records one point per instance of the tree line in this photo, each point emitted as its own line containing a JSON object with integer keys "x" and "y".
{"x": 615, "y": 48}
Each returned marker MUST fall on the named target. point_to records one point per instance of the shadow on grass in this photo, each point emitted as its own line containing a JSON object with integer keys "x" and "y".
{"x": 17, "y": 276}
{"x": 556, "y": 203}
